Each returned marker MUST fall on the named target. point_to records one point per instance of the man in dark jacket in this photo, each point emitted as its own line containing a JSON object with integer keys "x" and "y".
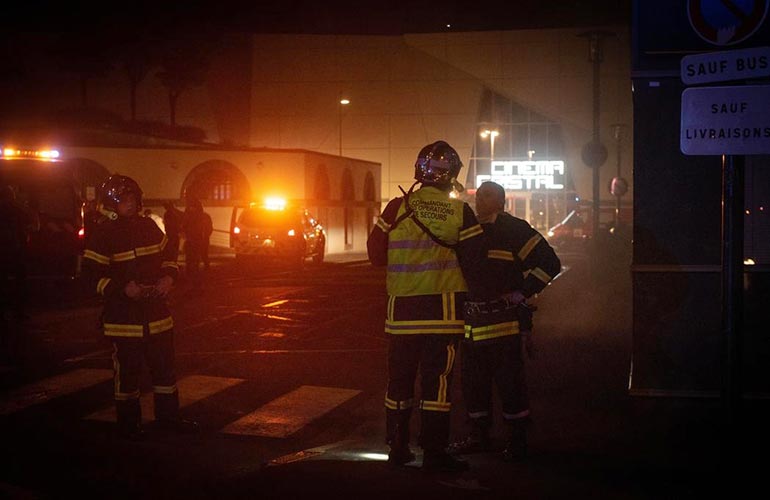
{"x": 520, "y": 263}
{"x": 197, "y": 229}
{"x": 172, "y": 221}
{"x": 13, "y": 246}
{"x": 128, "y": 261}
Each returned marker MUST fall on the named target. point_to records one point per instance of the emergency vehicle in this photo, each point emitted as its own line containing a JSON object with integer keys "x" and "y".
{"x": 47, "y": 190}
{"x": 276, "y": 230}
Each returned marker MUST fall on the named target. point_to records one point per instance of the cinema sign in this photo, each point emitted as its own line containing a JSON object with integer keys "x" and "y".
{"x": 526, "y": 175}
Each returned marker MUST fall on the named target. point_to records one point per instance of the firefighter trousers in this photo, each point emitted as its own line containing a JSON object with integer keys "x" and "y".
{"x": 129, "y": 356}
{"x": 433, "y": 355}
{"x": 500, "y": 362}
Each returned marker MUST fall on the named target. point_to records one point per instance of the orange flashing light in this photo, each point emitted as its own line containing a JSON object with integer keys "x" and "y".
{"x": 7, "y": 153}
{"x": 275, "y": 203}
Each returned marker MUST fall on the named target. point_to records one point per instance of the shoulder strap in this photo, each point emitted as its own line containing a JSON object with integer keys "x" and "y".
{"x": 427, "y": 231}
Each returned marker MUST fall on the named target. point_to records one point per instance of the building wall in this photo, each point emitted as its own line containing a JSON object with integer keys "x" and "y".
{"x": 162, "y": 173}
{"x": 407, "y": 91}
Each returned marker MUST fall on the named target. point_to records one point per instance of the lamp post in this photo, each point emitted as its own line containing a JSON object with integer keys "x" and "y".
{"x": 343, "y": 102}
{"x": 491, "y": 134}
{"x": 595, "y": 153}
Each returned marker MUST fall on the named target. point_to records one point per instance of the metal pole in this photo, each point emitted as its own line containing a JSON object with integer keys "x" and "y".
{"x": 340, "y": 125}
{"x": 491, "y": 150}
{"x": 732, "y": 284}
{"x": 617, "y": 196}
{"x": 596, "y": 57}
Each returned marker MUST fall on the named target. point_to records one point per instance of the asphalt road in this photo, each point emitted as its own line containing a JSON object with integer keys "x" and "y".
{"x": 285, "y": 372}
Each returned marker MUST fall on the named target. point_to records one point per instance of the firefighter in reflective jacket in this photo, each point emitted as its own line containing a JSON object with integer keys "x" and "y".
{"x": 430, "y": 243}
{"x": 520, "y": 263}
{"x": 128, "y": 262}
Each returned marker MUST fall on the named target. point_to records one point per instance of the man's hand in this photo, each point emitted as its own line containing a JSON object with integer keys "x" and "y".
{"x": 163, "y": 286}
{"x": 132, "y": 290}
{"x": 529, "y": 344}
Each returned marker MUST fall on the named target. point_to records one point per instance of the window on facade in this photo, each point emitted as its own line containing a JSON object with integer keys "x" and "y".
{"x": 520, "y": 130}
{"x": 321, "y": 186}
{"x": 369, "y": 195}
{"x": 216, "y": 182}
{"x": 756, "y": 248}
{"x": 348, "y": 195}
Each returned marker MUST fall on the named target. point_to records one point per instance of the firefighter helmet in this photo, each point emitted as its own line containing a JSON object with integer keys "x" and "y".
{"x": 115, "y": 189}
{"x": 437, "y": 163}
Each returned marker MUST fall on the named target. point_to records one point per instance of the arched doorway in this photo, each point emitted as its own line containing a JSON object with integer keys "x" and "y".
{"x": 370, "y": 196}
{"x": 348, "y": 196}
{"x": 217, "y": 183}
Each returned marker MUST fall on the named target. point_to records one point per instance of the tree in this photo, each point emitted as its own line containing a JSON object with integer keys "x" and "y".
{"x": 85, "y": 55}
{"x": 136, "y": 55}
{"x": 184, "y": 65}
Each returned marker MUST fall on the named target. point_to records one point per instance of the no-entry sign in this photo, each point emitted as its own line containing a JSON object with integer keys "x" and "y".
{"x": 726, "y": 120}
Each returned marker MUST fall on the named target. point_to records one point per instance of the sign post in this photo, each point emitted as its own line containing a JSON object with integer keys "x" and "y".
{"x": 732, "y": 122}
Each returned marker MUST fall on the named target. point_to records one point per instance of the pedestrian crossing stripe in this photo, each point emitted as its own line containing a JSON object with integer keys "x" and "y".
{"x": 278, "y": 418}
{"x": 52, "y": 387}
{"x": 289, "y": 413}
{"x": 191, "y": 390}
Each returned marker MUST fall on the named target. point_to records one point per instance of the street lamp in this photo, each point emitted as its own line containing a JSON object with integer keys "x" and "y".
{"x": 595, "y": 153}
{"x": 343, "y": 102}
{"x": 491, "y": 134}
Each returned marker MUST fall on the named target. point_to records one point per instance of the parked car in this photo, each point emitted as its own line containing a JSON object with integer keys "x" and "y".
{"x": 570, "y": 233}
{"x": 276, "y": 231}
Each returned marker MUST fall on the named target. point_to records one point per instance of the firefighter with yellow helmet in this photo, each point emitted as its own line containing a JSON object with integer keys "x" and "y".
{"x": 129, "y": 263}
{"x": 432, "y": 245}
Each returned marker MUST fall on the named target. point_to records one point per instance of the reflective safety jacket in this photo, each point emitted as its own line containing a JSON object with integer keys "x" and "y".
{"x": 123, "y": 250}
{"x": 429, "y": 268}
{"x": 518, "y": 258}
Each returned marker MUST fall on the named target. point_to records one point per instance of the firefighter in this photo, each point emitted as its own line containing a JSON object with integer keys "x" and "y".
{"x": 520, "y": 263}
{"x": 430, "y": 244}
{"x": 130, "y": 264}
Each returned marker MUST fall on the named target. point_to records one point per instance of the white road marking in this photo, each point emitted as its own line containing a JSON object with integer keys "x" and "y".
{"x": 289, "y": 413}
{"x": 191, "y": 390}
{"x": 274, "y": 351}
{"x": 52, "y": 387}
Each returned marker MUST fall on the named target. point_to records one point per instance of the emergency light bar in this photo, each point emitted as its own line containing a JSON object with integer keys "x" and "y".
{"x": 39, "y": 154}
{"x": 275, "y": 203}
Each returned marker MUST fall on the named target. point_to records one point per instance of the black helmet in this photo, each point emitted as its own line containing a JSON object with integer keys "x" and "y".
{"x": 437, "y": 163}
{"x": 114, "y": 189}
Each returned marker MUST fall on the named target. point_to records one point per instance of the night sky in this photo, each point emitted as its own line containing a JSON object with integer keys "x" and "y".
{"x": 312, "y": 16}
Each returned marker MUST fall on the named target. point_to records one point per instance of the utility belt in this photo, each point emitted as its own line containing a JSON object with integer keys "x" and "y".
{"x": 493, "y": 311}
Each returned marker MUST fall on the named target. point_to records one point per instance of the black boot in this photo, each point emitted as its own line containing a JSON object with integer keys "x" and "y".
{"x": 516, "y": 445}
{"x": 439, "y": 461}
{"x": 167, "y": 415}
{"x": 398, "y": 437}
{"x": 179, "y": 425}
{"x": 129, "y": 415}
{"x": 477, "y": 441}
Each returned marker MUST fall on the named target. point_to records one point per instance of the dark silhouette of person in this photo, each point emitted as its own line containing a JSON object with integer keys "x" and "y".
{"x": 172, "y": 221}
{"x": 13, "y": 249}
{"x": 197, "y": 228}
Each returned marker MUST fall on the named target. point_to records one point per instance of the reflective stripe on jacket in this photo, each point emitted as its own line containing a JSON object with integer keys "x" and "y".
{"x": 518, "y": 258}
{"x": 417, "y": 265}
{"x": 426, "y": 281}
{"x": 126, "y": 250}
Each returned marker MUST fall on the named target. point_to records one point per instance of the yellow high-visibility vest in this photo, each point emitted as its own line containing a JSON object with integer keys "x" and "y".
{"x": 417, "y": 265}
